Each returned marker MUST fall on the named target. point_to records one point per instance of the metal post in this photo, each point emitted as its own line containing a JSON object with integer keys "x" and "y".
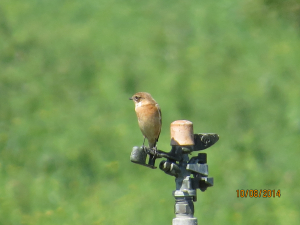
{"x": 190, "y": 174}
{"x": 182, "y": 135}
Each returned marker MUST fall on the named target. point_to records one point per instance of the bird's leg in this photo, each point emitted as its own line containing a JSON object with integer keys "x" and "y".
{"x": 155, "y": 151}
{"x": 143, "y": 146}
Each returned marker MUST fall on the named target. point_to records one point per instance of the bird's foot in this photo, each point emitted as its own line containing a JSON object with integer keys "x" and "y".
{"x": 155, "y": 152}
{"x": 143, "y": 147}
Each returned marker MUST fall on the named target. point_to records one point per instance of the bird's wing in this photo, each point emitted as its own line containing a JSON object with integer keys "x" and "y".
{"x": 160, "y": 119}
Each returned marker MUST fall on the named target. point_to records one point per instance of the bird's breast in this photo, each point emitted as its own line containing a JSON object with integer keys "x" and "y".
{"x": 148, "y": 118}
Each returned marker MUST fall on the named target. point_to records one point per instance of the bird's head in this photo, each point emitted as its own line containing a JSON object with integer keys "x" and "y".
{"x": 141, "y": 98}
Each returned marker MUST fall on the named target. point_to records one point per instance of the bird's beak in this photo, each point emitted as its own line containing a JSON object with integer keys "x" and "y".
{"x": 130, "y": 98}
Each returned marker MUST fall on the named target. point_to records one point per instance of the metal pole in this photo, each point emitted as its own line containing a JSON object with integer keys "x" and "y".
{"x": 182, "y": 135}
{"x": 190, "y": 173}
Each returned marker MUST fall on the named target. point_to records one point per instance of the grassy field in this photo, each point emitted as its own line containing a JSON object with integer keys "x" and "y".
{"x": 67, "y": 69}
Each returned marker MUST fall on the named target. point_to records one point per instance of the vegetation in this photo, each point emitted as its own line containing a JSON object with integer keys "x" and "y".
{"x": 67, "y": 127}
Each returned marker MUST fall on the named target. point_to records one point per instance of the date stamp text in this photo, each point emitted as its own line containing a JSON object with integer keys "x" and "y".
{"x": 255, "y": 193}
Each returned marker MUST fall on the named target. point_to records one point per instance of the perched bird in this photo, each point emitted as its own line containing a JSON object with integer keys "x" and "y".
{"x": 149, "y": 117}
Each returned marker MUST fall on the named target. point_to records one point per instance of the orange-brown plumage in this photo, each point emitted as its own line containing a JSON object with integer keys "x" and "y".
{"x": 149, "y": 116}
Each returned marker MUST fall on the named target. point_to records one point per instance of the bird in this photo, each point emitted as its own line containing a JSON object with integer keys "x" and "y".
{"x": 149, "y": 117}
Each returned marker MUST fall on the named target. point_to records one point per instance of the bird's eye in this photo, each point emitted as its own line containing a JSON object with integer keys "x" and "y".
{"x": 136, "y": 98}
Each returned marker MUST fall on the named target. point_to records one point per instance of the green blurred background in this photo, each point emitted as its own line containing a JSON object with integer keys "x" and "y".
{"x": 68, "y": 67}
